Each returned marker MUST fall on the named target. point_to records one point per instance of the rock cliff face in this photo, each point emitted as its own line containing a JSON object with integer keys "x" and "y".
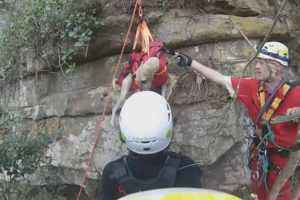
{"x": 208, "y": 126}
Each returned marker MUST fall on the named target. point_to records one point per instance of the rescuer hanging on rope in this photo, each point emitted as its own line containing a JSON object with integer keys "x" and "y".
{"x": 267, "y": 96}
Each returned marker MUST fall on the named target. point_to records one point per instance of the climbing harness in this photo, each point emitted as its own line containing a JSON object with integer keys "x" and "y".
{"x": 276, "y": 102}
{"x": 259, "y": 148}
{"x": 136, "y": 59}
{"x": 149, "y": 48}
{"x": 265, "y": 104}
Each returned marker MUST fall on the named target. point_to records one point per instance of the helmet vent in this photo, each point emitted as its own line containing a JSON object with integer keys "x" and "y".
{"x": 168, "y": 107}
{"x": 147, "y": 141}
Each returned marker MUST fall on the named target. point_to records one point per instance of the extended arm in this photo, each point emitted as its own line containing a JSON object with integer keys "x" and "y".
{"x": 211, "y": 74}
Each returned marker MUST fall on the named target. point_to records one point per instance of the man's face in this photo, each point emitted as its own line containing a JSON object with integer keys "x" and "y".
{"x": 264, "y": 68}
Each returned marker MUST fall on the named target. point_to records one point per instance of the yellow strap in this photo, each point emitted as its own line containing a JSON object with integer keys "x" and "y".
{"x": 275, "y": 104}
{"x": 286, "y": 88}
{"x": 190, "y": 196}
{"x": 262, "y": 97}
{"x": 147, "y": 37}
{"x": 143, "y": 30}
{"x": 137, "y": 35}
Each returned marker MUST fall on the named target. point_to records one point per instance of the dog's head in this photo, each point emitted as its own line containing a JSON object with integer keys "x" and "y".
{"x": 146, "y": 72}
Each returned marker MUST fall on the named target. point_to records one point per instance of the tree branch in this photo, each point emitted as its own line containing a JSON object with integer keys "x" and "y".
{"x": 243, "y": 34}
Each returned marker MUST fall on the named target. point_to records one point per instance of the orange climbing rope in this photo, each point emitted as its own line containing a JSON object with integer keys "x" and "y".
{"x": 145, "y": 33}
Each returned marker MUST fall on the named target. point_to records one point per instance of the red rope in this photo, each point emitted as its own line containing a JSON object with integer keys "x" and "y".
{"x": 101, "y": 118}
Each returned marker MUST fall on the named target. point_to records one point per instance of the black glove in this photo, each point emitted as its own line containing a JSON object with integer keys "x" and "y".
{"x": 185, "y": 60}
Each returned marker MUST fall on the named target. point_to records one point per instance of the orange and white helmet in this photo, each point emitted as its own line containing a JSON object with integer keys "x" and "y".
{"x": 146, "y": 123}
{"x": 275, "y": 51}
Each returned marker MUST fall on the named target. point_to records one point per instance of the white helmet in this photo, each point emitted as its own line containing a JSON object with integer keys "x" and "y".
{"x": 146, "y": 123}
{"x": 275, "y": 51}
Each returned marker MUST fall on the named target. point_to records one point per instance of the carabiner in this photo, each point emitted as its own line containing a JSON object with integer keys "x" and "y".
{"x": 255, "y": 175}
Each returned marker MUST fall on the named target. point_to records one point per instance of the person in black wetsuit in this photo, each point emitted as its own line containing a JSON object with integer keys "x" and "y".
{"x": 146, "y": 128}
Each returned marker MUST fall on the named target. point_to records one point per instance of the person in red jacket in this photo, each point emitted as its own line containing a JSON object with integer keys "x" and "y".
{"x": 265, "y": 97}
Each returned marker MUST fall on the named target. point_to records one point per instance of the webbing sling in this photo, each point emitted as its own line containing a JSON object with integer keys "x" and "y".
{"x": 270, "y": 105}
{"x": 276, "y": 102}
{"x": 265, "y": 105}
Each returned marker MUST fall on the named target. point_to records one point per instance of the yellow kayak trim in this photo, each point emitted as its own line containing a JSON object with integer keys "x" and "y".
{"x": 180, "y": 194}
{"x": 190, "y": 197}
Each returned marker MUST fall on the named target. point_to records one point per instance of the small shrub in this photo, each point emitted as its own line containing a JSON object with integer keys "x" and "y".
{"x": 45, "y": 25}
{"x": 20, "y": 154}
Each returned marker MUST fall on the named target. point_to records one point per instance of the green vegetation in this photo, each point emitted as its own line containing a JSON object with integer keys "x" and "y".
{"x": 57, "y": 30}
{"x": 20, "y": 154}
{"x": 245, "y": 192}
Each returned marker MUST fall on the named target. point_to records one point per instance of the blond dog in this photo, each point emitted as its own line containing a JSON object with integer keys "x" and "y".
{"x": 144, "y": 77}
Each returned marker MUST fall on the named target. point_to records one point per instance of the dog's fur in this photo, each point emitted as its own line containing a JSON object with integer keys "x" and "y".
{"x": 144, "y": 76}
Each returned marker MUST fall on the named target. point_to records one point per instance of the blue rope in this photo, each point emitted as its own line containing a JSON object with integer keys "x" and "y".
{"x": 270, "y": 132}
{"x": 262, "y": 140}
{"x": 263, "y": 160}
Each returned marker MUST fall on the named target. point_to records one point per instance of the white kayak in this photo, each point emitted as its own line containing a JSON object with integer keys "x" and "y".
{"x": 180, "y": 194}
